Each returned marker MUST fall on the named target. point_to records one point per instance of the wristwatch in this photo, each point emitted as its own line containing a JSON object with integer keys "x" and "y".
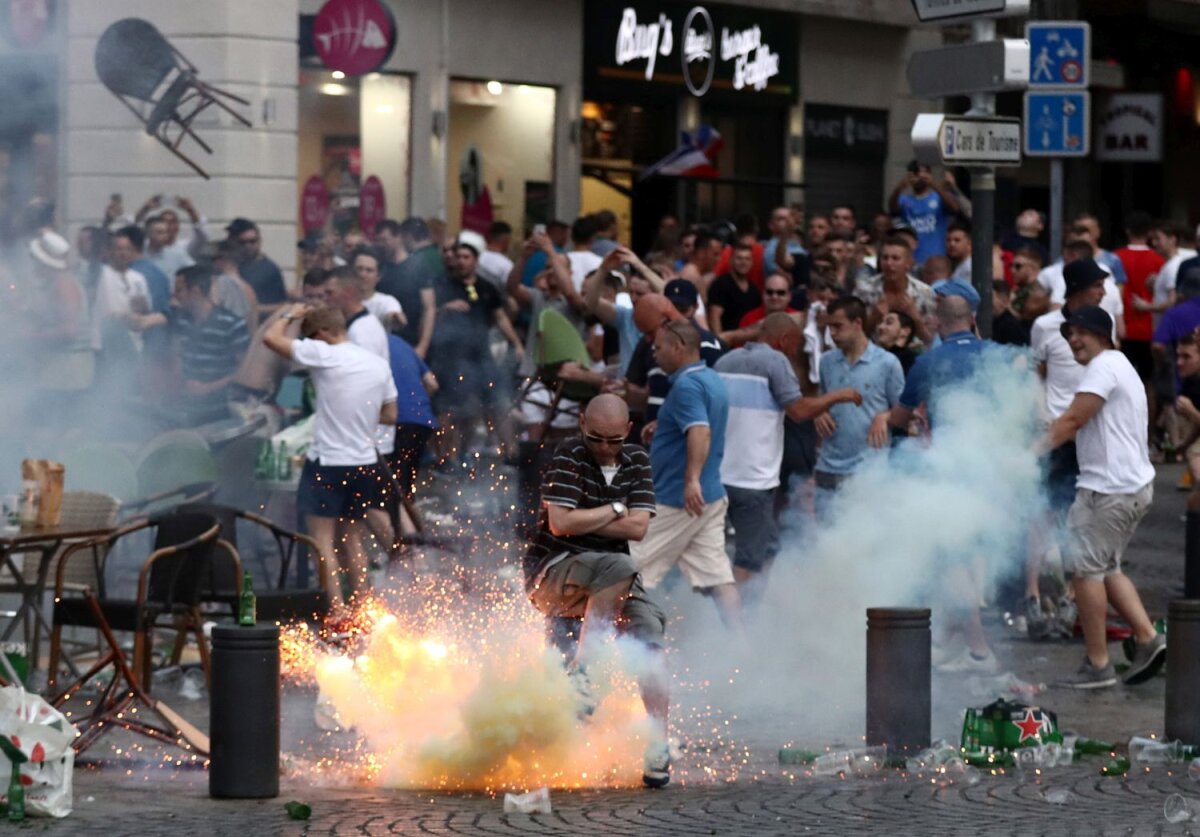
{"x": 619, "y": 509}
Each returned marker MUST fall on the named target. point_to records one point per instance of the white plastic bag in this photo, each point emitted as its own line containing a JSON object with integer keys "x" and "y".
{"x": 45, "y": 736}
{"x": 534, "y": 802}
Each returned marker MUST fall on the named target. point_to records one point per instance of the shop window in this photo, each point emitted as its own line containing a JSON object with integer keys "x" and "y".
{"x": 350, "y": 129}
{"x": 500, "y": 154}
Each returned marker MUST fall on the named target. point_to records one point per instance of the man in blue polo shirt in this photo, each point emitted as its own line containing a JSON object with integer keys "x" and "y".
{"x": 851, "y": 430}
{"x": 685, "y": 459}
{"x": 952, "y": 361}
{"x": 940, "y": 369}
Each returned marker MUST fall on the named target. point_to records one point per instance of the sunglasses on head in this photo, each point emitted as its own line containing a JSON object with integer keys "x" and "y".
{"x": 604, "y": 440}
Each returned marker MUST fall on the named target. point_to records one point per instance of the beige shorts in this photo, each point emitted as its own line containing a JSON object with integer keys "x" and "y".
{"x": 697, "y": 544}
{"x": 1100, "y": 526}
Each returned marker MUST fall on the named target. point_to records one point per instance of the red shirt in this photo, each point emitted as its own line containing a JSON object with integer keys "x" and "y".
{"x": 756, "y": 275}
{"x": 1141, "y": 263}
{"x": 759, "y": 313}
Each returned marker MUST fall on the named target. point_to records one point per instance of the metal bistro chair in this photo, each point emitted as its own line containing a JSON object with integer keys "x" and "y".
{"x": 276, "y": 603}
{"x": 171, "y": 588}
{"x": 558, "y": 341}
{"x": 80, "y": 510}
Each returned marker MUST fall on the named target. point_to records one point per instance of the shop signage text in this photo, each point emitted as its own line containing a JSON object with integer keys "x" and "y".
{"x": 746, "y": 52}
{"x": 1129, "y": 128}
{"x": 835, "y": 131}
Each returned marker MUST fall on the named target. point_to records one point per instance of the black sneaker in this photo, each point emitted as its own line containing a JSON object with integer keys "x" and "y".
{"x": 1090, "y": 677}
{"x": 656, "y": 768}
{"x": 1148, "y": 658}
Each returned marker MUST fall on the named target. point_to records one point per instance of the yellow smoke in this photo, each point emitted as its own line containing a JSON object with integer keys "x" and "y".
{"x": 494, "y": 712}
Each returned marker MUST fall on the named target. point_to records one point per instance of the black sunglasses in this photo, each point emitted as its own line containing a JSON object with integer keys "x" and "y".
{"x": 253, "y": 240}
{"x": 775, "y": 293}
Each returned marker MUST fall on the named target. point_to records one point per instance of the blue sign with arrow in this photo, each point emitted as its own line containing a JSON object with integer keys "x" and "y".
{"x": 1057, "y": 123}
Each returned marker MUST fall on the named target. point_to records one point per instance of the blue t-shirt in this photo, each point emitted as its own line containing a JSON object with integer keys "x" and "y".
{"x": 157, "y": 282}
{"x": 697, "y": 397}
{"x": 412, "y": 401}
{"x": 928, "y": 217}
{"x": 952, "y": 362}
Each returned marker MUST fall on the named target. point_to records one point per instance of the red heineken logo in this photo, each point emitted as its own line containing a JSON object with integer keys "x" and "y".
{"x": 1029, "y": 726}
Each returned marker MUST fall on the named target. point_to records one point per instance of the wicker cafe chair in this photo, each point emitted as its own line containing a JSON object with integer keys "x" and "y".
{"x": 274, "y": 600}
{"x": 187, "y": 554}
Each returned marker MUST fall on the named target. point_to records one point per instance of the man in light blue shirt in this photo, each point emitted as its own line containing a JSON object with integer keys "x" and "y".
{"x": 687, "y": 447}
{"x": 850, "y": 431}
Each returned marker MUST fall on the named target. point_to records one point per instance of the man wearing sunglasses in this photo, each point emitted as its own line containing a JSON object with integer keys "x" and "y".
{"x": 598, "y": 496}
{"x": 256, "y": 268}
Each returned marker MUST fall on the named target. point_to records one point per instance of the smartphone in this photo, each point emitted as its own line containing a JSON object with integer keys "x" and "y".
{"x": 539, "y": 229}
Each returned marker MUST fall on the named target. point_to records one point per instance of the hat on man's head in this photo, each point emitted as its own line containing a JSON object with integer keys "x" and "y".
{"x": 957, "y": 287}
{"x": 1089, "y": 318}
{"x": 1081, "y": 274}
{"x": 240, "y": 225}
{"x": 311, "y": 243}
{"x": 472, "y": 239}
{"x": 51, "y": 249}
{"x": 681, "y": 292}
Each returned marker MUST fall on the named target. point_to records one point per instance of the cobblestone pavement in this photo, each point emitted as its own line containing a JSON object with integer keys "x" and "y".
{"x": 141, "y": 798}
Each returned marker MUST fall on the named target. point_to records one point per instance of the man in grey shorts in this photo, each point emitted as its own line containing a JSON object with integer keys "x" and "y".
{"x": 1108, "y": 420}
{"x": 597, "y": 496}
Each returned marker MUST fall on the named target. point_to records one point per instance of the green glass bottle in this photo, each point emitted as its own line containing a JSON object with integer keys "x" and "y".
{"x": 285, "y": 463}
{"x": 16, "y": 796}
{"x": 247, "y": 607}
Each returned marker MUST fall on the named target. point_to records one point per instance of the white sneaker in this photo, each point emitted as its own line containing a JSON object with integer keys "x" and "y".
{"x": 967, "y": 663}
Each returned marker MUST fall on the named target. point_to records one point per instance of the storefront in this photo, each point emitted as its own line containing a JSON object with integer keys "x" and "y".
{"x": 654, "y": 69}
{"x": 844, "y": 153}
{"x": 462, "y": 118}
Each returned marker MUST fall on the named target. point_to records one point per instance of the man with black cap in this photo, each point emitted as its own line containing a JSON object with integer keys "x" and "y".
{"x": 1085, "y": 282}
{"x": 1107, "y": 419}
{"x": 256, "y": 268}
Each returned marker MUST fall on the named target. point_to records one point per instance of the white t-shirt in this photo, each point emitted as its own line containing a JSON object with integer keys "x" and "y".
{"x": 352, "y": 386}
{"x": 1112, "y": 449}
{"x": 368, "y": 333}
{"x": 1051, "y": 278}
{"x": 494, "y": 267}
{"x": 1063, "y": 372}
{"x": 1164, "y": 280}
{"x": 383, "y": 306}
{"x": 583, "y": 264}
{"x": 115, "y": 293}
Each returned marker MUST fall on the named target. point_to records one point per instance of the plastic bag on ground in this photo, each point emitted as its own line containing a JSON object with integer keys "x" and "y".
{"x": 534, "y": 802}
{"x": 44, "y": 736}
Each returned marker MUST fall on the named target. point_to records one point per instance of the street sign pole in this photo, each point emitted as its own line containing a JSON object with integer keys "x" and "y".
{"x": 983, "y": 201}
{"x": 1056, "y": 207}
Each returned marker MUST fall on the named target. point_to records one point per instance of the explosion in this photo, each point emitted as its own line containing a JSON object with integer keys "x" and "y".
{"x": 467, "y": 695}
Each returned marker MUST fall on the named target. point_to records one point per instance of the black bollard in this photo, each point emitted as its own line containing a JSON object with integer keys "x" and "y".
{"x": 1191, "y": 557}
{"x": 1183, "y": 670}
{"x": 244, "y": 724}
{"x": 898, "y": 682}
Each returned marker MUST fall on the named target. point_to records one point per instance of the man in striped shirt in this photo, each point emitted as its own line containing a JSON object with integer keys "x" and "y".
{"x": 597, "y": 496}
{"x": 211, "y": 341}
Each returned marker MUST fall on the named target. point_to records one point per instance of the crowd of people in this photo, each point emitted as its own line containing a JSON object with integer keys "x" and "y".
{"x": 693, "y": 392}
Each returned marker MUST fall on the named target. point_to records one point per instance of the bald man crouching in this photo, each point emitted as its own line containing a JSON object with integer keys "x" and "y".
{"x": 597, "y": 496}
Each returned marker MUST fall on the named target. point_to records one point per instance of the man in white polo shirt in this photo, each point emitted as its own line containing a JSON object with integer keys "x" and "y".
{"x": 341, "y": 479}
{"x": 1107, "y": 420}
{"x": 763, "y": 388}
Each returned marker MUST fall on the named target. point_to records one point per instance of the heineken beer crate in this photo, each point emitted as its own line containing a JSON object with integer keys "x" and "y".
{"x": 1004, "y": 726}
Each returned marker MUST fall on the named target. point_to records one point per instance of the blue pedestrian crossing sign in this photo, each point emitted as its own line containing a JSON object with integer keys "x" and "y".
{"x": 1059, "y": 53}
{"x": 1057, "y": 123}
